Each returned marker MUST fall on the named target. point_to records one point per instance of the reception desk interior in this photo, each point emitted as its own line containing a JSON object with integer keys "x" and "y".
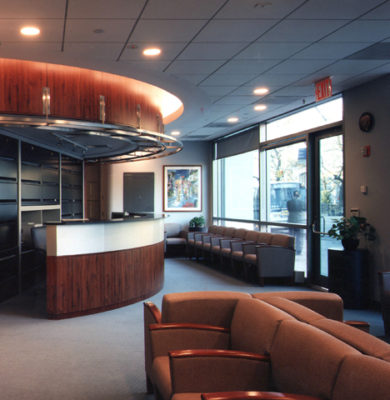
{"x": 98, "y": 266}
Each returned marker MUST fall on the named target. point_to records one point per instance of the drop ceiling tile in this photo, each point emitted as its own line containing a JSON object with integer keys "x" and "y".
{"x": 148, "y": 65}
{"x": 238, "y": 100}
{"x": 351, "y": 67}
{"x": 211, "y": 51}
{"x": 254, "y": 9}
{"x": 191, "y": 78}
{"x": 381, "y": 12}
{"x": 103, "y": 9}
{"x": 245, "y": 68}
{"x": 26, "y": 9}
{"x": 300, "y": 91}
{"x": 51, "y": 30}
{"x": 275, "y": 80}
{"x": 83, "y": 30}
{"x": 299, "y": 66}
{"x": 247, "y": 90}
{"x": 156, "y": 31}
{"x": 31, "y": 50}
{"x": 194, "y": 66}
{"x": 181, "y": 9}
{"x": 218, "y": 79}
{"x": 329, "y": 51}
{"x": 218, "y": 90}
{"x": 96, "y": 51}
{"x": 263, "y": 51}
{"x": 233, "y": 31}
{"x": 301, "y": 30}
{"x": 367, "y": 31}
{"x": 334, "y": 9}
{"x": 169, "y": 51}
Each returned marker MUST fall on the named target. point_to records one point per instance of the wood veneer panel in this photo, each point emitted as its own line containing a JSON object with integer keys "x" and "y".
{"x": 75, "y": 94}
{"x": 21, "y": 84}
{"x": 85, "y": 284}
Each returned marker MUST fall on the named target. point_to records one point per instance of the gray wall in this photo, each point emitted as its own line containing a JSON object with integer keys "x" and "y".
{"x": 193, "y": 153}
{"x": 373, "y": 171}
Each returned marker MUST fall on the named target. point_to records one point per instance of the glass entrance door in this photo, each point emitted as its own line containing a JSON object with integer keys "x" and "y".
{"x": 329, "y": 199}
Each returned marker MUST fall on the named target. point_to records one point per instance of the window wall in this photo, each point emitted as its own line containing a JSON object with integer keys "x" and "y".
{"x": 267, "y": 188}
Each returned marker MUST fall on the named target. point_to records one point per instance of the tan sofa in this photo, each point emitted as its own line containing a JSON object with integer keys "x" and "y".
{"x": 264, "y": 348}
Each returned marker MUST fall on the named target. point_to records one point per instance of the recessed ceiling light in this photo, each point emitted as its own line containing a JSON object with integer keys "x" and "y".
{"x": 175, "y": 133}
{"x": 232, "y": 120}
{"x": 152, "y": 51}
{"x": 30, "y": 31}
{"x": 260, "y": 107}
{"x": 261, "y": 90}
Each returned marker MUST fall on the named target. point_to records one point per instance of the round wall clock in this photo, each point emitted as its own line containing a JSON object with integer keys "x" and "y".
{"x": 366, "y": 122}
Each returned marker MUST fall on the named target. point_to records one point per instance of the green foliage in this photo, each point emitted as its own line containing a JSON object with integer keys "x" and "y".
{"x": 351, "y": 228}
{"x": 197, "y": 222}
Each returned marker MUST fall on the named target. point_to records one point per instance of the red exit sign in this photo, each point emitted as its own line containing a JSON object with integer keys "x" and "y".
{"x": 323, "y": 89}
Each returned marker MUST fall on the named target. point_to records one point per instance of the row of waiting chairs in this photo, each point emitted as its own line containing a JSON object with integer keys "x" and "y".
{"x": 252, "y": 253}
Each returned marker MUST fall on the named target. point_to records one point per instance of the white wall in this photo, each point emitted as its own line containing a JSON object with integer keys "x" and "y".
{"x": 373, "y": 171}
{"x": 193, "y": 153}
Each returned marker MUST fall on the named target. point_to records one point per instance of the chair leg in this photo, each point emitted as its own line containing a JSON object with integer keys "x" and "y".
{"x": 149, "y": 385}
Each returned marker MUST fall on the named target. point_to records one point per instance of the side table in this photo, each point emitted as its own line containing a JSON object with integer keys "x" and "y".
{"x": 349, "y": 276}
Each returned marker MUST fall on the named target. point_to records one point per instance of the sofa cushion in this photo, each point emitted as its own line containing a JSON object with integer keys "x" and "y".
{"x": 329, "y": 305}
{"x": 282, "y": 240}
{"x": 264, "y": 237}
{"x": 306, "y": 360}
{"x": 360, "y": 340}
{"x": 254, "y": 325}
{"x": 209, "y": 307}
{"x": 361, "y": 378}
{"x": 298, "y": 311}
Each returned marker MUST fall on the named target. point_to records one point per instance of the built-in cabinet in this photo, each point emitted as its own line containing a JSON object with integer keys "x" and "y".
{"x": 8, "y": 217}
{"x": 37, "y": 185}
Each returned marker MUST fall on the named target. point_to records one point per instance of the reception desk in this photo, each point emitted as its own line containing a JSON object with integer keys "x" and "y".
{"x": 98, "y": 266}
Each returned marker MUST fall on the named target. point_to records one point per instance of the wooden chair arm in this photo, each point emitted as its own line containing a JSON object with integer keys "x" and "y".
{"x": 154, "y": 310}
{"x": 362, "y": 325}
{"x": 255, "y": 395}
{"x": 174, "y": 325}
{"x": 219, "y": 353}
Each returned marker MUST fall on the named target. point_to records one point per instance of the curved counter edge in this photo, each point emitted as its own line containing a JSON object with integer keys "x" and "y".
{"x": 87, "y": 283}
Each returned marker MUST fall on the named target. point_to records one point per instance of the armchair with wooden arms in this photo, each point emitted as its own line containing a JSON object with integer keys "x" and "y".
{"x": 186, "y": 356}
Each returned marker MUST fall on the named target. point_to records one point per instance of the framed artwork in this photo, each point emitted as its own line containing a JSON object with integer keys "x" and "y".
{"x": 182, "y": 186}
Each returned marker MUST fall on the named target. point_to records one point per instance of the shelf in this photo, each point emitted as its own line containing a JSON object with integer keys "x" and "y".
{"x": 40, "y": 207}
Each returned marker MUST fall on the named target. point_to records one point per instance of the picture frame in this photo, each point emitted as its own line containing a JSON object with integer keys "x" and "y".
{"x": 182, "y": 188}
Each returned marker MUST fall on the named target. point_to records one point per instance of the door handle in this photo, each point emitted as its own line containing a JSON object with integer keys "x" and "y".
{"x": 314, "y": 230}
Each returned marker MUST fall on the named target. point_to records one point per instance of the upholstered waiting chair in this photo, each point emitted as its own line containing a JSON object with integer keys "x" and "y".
{"x": 384, "y": 286}
{"x": 275, "y": 259}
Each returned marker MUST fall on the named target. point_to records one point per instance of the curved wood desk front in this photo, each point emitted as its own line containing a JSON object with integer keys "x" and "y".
{"x": 98, "y": 266}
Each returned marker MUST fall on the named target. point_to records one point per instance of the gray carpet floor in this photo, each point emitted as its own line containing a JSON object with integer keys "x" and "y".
{"x": 99, "y": 356}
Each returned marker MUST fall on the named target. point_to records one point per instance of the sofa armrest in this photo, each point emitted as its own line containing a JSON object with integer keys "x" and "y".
{"x": 154, "y": 312}
{"x": 175, "y": 336}
{"x": 237, "y": 245}
{"x": 275, "y": 261}
{"x": 249, "y": 248}
{"x": 218, "y": 370}
{"x": 255, "y": 395}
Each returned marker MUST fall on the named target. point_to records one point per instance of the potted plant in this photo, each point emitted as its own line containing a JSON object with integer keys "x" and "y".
{"x": 349, "y": 231}
{"x": 196, "y": 224}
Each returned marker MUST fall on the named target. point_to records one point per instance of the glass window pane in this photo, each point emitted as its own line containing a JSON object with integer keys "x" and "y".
{"x": 286, "y": 184}
{"x": 240, "y": 186}
{"x": 319, "y": 115}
